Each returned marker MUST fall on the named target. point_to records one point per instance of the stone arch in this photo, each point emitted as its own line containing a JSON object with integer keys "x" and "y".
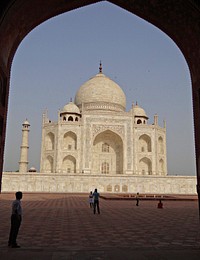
{"x": 160, "y": 145}
{"x": 109, "y": 188}
{"x": 69, "y": 164}
{"x": 144, "y": 143}
{"x": 49, "y": 164}
{"x": 70, "y": 118}
{"x": 145, "y": 166}
{"x": 49, "y": 141}
{"x": 110, "y": 158}
{"x": 161, "y": 167}
{"x": 11, "y": 37}
{"x": 124, "y": 188}
{"x": 70, "y": 141}
{"x": 117, "y": 188}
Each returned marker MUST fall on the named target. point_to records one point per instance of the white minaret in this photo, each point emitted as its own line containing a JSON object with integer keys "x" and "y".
{"x": 23, "y": 163}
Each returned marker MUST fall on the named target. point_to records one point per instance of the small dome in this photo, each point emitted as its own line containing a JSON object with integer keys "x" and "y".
{"x": 139, "y": 112}
{"x": 101, "y": 93}
{"x": 26, "y": 123}
{"x": 32, "y": 169}
{"x": 71, "y": 108}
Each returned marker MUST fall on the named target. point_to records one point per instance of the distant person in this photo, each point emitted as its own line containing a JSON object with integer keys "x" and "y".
{"x": 160, "y": 205}
{"x": 91, "y": 199}
{"x": 16, "y": 218}
{"x": 137, "y": 199}
{"x": 96, "y": 201}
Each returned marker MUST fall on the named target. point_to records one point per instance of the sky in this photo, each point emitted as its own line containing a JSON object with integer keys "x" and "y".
{"x": 61, "y": 54}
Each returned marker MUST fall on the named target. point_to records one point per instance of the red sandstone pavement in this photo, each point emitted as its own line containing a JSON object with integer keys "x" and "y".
{"x": 62, "y": 226}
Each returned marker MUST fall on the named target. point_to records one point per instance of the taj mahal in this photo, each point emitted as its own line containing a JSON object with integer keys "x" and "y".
{"x": 96, "y": 143}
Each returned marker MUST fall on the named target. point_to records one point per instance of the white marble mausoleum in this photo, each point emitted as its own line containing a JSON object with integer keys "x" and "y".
{"x": 96, "y": 143}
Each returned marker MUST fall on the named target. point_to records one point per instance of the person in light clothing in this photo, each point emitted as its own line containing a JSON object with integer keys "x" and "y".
{"x": 91, "y": 199}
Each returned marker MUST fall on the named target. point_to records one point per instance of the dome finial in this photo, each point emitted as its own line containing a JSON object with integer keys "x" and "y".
{"x": 100, "y": 67}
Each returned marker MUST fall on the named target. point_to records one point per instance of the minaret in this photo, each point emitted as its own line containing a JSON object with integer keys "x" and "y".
{"x": 23, "y": 163}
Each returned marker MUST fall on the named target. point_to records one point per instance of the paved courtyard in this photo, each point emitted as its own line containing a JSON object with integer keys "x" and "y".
{"x": 62, "y": 226}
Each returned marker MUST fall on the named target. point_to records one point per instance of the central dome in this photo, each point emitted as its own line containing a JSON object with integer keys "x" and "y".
{"x": 101, "y": 93}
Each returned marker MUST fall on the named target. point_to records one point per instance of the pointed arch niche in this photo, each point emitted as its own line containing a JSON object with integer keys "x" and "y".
{"x": 49, "y": 164}
{"x": 161, "y": 167}
{"x": 70, "y": 141}
{"x": 69, "y": 164}
{"x": 109, "y": 160}
{"x": 145, "y": 166}
{"x": 49, "y": 141}
{"x": 144, "y": 143}
{"x": 160, "y": 145}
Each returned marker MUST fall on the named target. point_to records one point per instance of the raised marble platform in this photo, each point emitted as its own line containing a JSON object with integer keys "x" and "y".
{"x": 53, "y": 182}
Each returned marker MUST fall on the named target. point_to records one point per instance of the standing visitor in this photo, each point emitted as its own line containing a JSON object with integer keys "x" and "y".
{"x": 91, "y": 199}
{"x": 160, "y": 205}
{"x": 16, "y": 218}
{"x": 137, "y": 199}
{"x": 96, "y": 201}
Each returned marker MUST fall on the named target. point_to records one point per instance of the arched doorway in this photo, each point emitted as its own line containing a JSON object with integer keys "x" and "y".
{"x": 107, "y": 153}
{"x": 161, "y": 14}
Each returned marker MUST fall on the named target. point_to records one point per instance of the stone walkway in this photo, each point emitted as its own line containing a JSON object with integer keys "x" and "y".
{"x": 62, "y": 226}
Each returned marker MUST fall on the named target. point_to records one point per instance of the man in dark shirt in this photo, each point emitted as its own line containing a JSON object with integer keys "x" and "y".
{"x": 16, "y": 219}
{"x": 96, "y": 201}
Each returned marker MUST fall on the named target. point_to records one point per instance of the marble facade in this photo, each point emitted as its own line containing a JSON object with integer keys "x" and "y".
{"x": 96, "y": 143}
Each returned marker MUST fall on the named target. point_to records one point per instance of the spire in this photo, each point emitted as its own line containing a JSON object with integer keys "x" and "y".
{"x": 70, "y": 99}
{"x": 100, "y": 67}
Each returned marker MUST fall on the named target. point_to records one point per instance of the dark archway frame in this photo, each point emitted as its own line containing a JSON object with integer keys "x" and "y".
{"x": 179, "y": 19}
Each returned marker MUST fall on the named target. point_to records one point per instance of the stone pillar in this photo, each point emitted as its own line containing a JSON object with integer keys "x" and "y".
{"x": 23, "y": 163}
{"x": 155, "y": 119}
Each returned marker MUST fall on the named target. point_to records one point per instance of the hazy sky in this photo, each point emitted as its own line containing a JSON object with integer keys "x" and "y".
{"x": 58, "y": 56}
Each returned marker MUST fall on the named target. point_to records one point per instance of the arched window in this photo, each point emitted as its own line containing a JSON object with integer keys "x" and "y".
{"x": 160, "y": 145}
{"x": 69, "y": 164}
{"x": 105, "y": 148}
{"x": 76, "y": 119}
{"x": 117, "y": 188}
{"x": 105, "y": 168}
{"x": 49, "y": 141}
{"x": 69, "y": 141}
{"x": 144, "y": 143}
{"x": 124, "y": 188}
{"x": 109, "y": 188}
{"x": 64, "y": 118}
{"x": 145, "y": 166}
{"x": 139, "y": 121}
{"x": 49, "y": 164}
{"x": 70, "y": 118}
{"x": 161, "y": 166}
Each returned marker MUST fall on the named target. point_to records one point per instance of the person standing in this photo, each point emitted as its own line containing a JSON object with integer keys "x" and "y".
{"x": 16, "y": 218}
{"x": 96, "y": 201}
{"x": 137, "y": 199}
{"x": 91, "y": 199}
{"x": 160, "y": 205}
